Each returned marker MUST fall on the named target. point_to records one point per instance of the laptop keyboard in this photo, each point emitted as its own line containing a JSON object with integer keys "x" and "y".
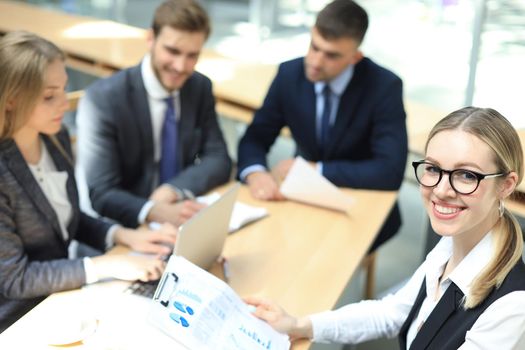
{"x": 145, "y": 289}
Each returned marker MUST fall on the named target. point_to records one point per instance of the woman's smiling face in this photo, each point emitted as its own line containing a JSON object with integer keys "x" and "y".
{"x": 453, "y": 214}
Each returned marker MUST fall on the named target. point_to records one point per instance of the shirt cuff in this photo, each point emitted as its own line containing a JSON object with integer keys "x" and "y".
{"x": 322, "y": 327}
{"x": 90, "y": 270}
{"x": 110, "y": 236}
{"x": 251, "y": 169}
{"x": 143, "y": 213}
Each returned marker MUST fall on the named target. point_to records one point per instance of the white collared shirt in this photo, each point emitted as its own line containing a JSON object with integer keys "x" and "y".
{"x": 157, "y": 107}
{"x": 500, "y": 326}
{"x": 156, "y": 102}
{"x": 53, "y": 185}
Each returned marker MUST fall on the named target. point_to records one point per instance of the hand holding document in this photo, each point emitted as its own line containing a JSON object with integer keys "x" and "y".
{"x": 202, "y": 312}
{"x": 304, "y": 184}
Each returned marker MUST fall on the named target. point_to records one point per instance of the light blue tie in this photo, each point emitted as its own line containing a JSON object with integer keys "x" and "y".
{"x": 168, "y": 158}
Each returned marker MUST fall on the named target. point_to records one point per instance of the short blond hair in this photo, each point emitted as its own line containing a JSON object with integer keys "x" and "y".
{"x": 24, "y": 58}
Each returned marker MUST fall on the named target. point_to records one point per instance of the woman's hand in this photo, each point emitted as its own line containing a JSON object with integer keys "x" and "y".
{"x": 128, "y": 267}
{"x": 279, "y": 319}
{"x": 143, "y": 240}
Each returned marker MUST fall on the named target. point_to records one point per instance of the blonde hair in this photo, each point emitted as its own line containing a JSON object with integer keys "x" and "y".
{"x": 496, "y": 131}
{"x": 24, "y": 58}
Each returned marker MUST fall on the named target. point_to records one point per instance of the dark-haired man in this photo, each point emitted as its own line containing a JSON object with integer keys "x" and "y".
{"x": 344, "y": 111}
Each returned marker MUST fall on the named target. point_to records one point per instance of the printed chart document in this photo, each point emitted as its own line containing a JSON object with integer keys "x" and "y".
{"x": 304, "y": 184}
{"x": 202, "y": 312}
{"x": 242, "y": 214}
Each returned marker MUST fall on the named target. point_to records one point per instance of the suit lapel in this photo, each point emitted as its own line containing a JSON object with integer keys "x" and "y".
{"x": 18, "y": 166}
{"x": 308, "y": 110}
{"x": 139, "y": 108}
{"x": 447, "y": 305}
{"x": 186, "y": 120}
{"x": 62, "y": 164}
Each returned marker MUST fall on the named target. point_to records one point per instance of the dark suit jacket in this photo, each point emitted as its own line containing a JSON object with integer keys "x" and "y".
{"x": 368, "y": 146}
{"x": 115, "y": 146}
{"x": 33, "y": 255}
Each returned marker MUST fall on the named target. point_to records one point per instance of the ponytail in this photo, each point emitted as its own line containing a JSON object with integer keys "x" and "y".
{"x": 508, "y": 248}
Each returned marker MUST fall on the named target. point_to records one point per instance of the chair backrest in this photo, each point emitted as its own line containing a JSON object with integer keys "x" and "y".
{"x": 73, "y": 97}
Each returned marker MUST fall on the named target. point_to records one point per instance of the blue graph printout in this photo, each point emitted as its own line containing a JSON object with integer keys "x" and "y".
{"x": 200, "y": 311}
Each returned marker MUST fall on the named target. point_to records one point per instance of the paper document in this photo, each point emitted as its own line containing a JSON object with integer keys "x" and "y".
{"x": 242, "y": 214}
{"x": 304, "y": 184}
{"x": 202, "y": 312}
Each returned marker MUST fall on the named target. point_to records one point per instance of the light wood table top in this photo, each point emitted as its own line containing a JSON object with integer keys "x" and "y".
{"x": 102, "y": 47}
{"x": 300, "y": 256}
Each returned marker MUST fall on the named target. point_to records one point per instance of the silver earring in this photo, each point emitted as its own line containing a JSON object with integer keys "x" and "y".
{"x": 501, "y": 208}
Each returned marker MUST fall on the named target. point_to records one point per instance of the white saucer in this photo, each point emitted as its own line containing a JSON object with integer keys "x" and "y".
{"x": 70, "y": 331}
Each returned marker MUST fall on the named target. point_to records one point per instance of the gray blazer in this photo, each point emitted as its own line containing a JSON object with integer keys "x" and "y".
{"x": 33, "y": 255}
{"x": 115, "y": 143}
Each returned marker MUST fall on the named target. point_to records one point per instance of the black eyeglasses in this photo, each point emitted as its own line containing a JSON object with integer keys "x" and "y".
{"x": 462, "y": 181}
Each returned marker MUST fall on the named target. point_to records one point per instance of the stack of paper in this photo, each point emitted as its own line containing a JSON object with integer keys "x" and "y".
{"x": 202, "y": 312}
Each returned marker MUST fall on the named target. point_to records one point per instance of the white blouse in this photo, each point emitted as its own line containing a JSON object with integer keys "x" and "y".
{"x": 500, "y": 326}
{"x": 53, "y": 184}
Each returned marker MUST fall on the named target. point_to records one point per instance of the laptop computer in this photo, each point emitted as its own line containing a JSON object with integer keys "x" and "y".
{"x": 201, "y": 239}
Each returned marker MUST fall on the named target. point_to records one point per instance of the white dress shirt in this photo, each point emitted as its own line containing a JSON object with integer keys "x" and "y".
{"x": 157, "y": 108}
{"x": 53, "y": 184}
{"x": 500, "y": 326}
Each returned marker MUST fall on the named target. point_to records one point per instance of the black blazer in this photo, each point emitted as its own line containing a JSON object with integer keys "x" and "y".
{"x": 115, "y": 143}
{"x": 448, "y": 323}
{"x": 33, "y": 254}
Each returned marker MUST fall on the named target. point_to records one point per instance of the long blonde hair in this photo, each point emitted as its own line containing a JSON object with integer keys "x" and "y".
{"x": 496, "y": 131}
{"x": 24, "y": 58}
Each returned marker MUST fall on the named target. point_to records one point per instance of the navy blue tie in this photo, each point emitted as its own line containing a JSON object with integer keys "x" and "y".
{"x": 325, "y": 117}
{"x": 168, "y": 156}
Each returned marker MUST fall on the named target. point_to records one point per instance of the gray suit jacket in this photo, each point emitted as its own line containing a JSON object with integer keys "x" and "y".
{"x": 33, "y": 255}
{"x": 115, "y": 143}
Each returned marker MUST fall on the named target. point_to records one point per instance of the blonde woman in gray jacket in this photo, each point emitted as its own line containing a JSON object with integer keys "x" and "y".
{"x": 39, "y": 211}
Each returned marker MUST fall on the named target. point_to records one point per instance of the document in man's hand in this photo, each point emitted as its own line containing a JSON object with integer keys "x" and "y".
{"x": 304, "y": 184}
{"x": 202, "y": 312}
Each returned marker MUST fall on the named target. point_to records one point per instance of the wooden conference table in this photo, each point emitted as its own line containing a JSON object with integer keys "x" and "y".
{"x": 102, "y": 47}
{"x": 300, "y": 256}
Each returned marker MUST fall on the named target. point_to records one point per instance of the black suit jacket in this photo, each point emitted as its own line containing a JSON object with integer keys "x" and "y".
{"x": 368, "y": 146}
{"x": 115, "y": 143}
{"x": 33, "y": 254}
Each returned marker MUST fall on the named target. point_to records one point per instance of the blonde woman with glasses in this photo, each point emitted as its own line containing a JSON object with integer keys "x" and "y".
{"x": 39, "y": 212}
{"x": 469, "y": 293}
